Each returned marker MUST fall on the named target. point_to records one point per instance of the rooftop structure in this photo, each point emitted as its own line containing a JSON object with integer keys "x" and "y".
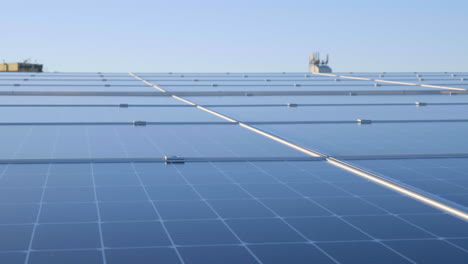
{"x": 233, "y": 168}
{"x": 20, "y": 67}
{"x": 318, "y": 66}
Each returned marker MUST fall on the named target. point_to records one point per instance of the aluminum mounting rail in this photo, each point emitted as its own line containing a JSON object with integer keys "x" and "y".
{"x": 133, "y": 123}
{"x": 233, "y": 93}
{"x": 231, "y": 121}
{"x": 153, "y": 160}
{"x": 96, "y": 105}
{"x": 234, "y": 105}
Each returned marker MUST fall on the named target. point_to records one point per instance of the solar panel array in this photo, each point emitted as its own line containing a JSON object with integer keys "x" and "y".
{"x": 233, "y": 168}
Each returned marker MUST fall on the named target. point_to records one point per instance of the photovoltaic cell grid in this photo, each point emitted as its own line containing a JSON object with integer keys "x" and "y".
{"x": 127, "y": 141}
{"x": 453, "y": 79}
{"x": 74, "y": 188}
{"x": 443, "y": 177}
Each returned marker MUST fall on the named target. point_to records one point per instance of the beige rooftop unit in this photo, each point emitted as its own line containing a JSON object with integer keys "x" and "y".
{"x": 20, "y": 67}
{"x": 318, "y": 66}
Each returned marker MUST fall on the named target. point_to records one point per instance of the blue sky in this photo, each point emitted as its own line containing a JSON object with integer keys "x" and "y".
{"x": 236, "y": 36}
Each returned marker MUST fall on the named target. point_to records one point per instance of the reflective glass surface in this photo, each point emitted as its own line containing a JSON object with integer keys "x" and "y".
{"x": 377, "y": 138}
{"x": 344, "y": 113}
{"x": 88, "y": 100}
{"x": 327, "y": 99}
{"x": 74, "y": 192}
{"x": 258, "y": 82}
{"x": 127, "y": 141}
{"x": 104, "y": 114}
{"x": 80, "y": 88}
{"x": 61, "y": 82}
{"x": 445, "y": 178}
{"x": 251, "y": 212}
{"x": 292, "y": 87}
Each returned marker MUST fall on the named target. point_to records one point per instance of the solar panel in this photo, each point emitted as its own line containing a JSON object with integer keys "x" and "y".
{"x": 328, "y": 99}
{"x": 344, "y": 113}
{"x": 103, "y": 114}
{"x": 377, "y": 138}
{"x": 169, "y": 168}
{"x": 444, "y": 178}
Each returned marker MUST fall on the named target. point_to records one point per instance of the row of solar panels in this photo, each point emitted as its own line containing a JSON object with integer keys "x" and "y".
{"x": 101, "y": 193}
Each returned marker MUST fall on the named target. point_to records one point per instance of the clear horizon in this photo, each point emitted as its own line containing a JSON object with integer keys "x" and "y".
{"x": 243, "y": 36}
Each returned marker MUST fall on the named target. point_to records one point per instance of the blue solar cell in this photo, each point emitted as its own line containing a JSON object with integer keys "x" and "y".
{"x": 15, "y": 237}
{"x": 377, "y": 226}
{"x": 22, "y": 180}
{"x": 77, "y": 179}
{"x": 13, "y": 257}
{"x": 250, "y": 176}
{"x": 430, "y": 251}
{"x": 109, "y": 179}
{"x": 172, "y": 192}
{"x": 462, "y": 243}
{"x": 217, "y": 254}
{"x": 134, "y": 234}
{"x": 290, "y": 253}
{"x": 320, "y": 189}
{"x": 127, "y": 211}
{"x": 440, "y": 224}
{"x": 363, "y": 252}
{"x": 206, "y": 178}
{"x": 275, "y": 190}
{"x": 18, "y": 213}
{"x": 364, "y": 188}
{"x": 121, "y": 194}
{"x": 221, "y": 191}
{"x": 327, "y": 229}
{"x": 34, "y": 169}
{"x": 71, "y": 257}
{"x": 261, "y": 231}
{"x": 166, "y": 178}
{"x": 68, "y": 212}
{"x": 68, "y": 194}
{"x": 350, "y": 205}
{"x": 295, "y": 207}
{"x": 20, "y": 195}
{"x": 66, "y": 236}
{"x": 141, "y": 255}
{"x": 200, "y": 232}
{"x": 401, "y": 205}
{"x": 180, "y": 210}
{"x": 245, "y": 208}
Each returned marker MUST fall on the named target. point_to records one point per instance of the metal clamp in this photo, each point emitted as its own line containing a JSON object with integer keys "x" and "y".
{"x": 364, "y": 121}
{"x": 174, "y": 159}
{"x": 139, "y": 123}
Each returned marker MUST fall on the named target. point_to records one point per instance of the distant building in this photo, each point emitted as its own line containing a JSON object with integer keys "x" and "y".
{"x": 20, "y": 67}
